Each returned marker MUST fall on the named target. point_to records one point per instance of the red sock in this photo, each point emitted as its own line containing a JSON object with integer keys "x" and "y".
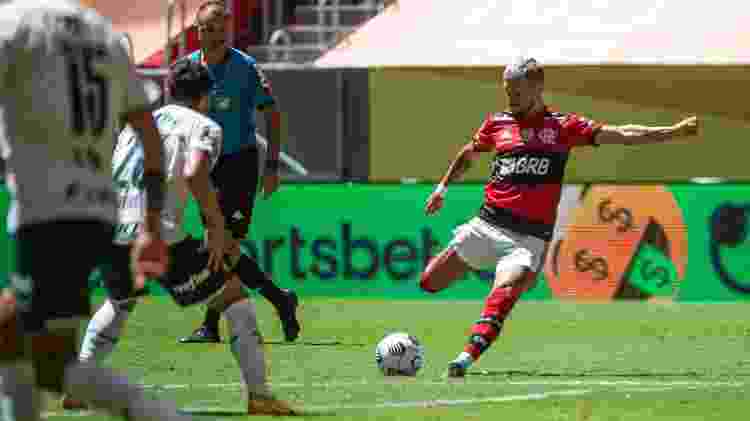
{"x": 497, "y": 306}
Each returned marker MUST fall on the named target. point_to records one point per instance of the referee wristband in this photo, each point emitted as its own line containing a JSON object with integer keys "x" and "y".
{"x": 272, "y": 165}
{"x": 153, "y": 185}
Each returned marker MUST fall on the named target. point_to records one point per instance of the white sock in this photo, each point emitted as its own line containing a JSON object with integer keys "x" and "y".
{"x": 465, "y": 359}
{"x": 246, "y": 346}
{"x": 105, "y": 389}
{"x": 104, "y": 331}
{"x": 19, "y": 398}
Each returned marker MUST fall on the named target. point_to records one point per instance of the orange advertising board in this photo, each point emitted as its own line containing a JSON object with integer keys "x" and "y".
{"x": 606, "y": 230}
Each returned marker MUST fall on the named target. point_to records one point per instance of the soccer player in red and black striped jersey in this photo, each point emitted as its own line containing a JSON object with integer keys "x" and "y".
{"x": 515, "y": 223}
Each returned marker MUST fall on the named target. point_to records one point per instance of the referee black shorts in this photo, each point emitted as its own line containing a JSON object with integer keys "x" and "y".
{"x": 235, "y": 177}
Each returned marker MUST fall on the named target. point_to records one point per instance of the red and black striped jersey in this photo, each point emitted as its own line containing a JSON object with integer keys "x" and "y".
{"x": 528, "y": 167}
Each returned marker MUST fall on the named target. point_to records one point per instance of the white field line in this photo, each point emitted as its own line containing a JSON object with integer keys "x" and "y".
{"x": 614, "y": 383}
{"x": 452, "y": 402}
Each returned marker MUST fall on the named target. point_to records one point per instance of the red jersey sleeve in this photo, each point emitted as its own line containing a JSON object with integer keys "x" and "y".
{"x": 484, "y": 139}
{"x": 580, "y": 131}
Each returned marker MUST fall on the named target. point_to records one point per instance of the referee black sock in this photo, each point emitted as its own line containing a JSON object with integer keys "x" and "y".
{"x": 253, "y": 277}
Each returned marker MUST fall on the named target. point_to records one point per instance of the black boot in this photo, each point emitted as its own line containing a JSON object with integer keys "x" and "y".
{"x": 208, "y": 332}
{"x": 287, "y": 310}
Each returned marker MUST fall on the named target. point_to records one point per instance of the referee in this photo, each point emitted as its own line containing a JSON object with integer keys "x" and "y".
{"x": 239, "y": 88}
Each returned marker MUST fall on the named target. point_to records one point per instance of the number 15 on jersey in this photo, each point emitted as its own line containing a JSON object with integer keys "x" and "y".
{"x": 88, "y": 90}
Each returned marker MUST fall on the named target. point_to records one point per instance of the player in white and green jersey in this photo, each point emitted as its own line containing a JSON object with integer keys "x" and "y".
{"x": 64, "y": 81}
{"x": 198, "y": 272}
{"x": 183, "y": 131}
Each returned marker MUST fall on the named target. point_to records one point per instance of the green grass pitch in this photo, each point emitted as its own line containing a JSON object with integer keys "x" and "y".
{"x": 555, "y": 361}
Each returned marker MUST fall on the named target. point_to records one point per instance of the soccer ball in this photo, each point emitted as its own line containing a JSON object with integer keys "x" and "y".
{"x": 399, "y": 354}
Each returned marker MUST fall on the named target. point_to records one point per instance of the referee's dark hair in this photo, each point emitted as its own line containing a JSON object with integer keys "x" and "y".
{"x": 189, "y": 80}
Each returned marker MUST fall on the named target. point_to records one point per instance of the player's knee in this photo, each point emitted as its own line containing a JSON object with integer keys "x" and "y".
{"x": 529, "y": 280}
{"x": 232, "y": 293}
{"x": 522, "y": 278}
{"x": 425, "y": 283}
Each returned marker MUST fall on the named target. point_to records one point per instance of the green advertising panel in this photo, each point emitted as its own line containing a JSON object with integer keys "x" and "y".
{"x": 373, "y": 241}
{"x": 681, "y": 242}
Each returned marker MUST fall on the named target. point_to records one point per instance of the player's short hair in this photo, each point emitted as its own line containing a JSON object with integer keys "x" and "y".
{"x": 205, "y": 5}
{"x": 189, "y": 80}
{"x": 524, "y": 68}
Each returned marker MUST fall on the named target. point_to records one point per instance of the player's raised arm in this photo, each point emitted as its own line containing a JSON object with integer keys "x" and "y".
{"x": 462, "y": 163}
{"x": 633, "y": 134}
{"x": 482, "y": 140}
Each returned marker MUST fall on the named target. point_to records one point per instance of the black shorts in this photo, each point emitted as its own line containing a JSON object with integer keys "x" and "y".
{"x": 53, "y": 263}
{"x": 235, "y": 177}
{"x": 188, "y": 279}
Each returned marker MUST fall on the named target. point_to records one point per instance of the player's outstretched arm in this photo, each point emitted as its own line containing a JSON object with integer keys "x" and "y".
{"x": 633, "y": 134}
{"x": 468, "y": 154}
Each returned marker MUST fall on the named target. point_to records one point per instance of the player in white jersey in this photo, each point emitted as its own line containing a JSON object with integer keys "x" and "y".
{"x": 64, "y": 80}
{"x": 198, "y": 272}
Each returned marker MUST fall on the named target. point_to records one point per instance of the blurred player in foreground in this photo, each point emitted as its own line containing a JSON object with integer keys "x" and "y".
{"x": 192, "y": 146}
{"x": 64, "y": 80}
{"x": 515, "y": 224}
{"x": 239, "y": 89}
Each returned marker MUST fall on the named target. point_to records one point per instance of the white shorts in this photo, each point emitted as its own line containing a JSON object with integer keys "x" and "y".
{"x": 483, "y": 246}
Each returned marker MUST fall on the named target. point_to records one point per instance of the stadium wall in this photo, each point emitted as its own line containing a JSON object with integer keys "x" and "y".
{"x": 430, "y": 112}
{"x": 392, "y": 124}
{"x": 327, "y": 118}
{"x": 681, "y": 242}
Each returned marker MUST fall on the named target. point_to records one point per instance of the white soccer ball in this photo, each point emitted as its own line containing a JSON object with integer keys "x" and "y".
{"x": 399, "y": 354}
